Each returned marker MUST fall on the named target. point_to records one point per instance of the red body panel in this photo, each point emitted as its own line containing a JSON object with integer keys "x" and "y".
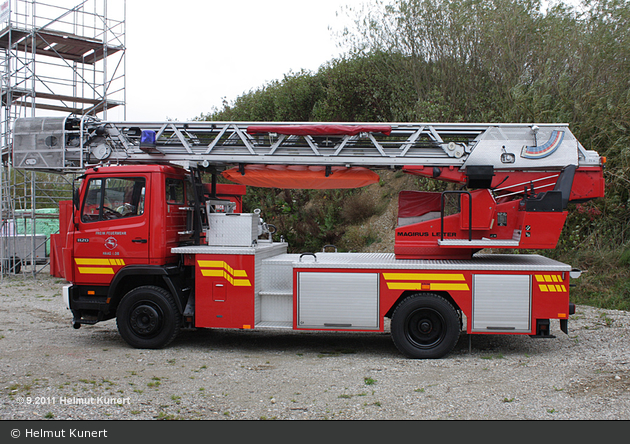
{"x": 102, "y": 247}
{"x": 492, "y": 221}
{"x": 58, "y": 240}
{"x": 224, "y": 291}
{"x": 549, "y": 292}
{"x": 550, "y": 295}
{"x": 483, "y": 210}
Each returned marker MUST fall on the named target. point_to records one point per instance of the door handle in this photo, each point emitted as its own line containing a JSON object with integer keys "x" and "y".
{"x": 139, "y": 241}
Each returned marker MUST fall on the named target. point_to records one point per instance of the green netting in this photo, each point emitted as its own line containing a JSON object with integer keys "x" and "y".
{"x": 46, "y": 223}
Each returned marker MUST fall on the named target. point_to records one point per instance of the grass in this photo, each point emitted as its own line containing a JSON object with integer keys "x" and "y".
{"x": 605, "y": 281}
{"x": 499, "y": 356}
{"x": 155, "y": 382}
{"x": 167, "y": 417}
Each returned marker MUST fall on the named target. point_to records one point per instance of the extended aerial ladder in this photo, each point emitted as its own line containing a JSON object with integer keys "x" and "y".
{"x": 520, "y": 176}
{"x": 66, "y": 143}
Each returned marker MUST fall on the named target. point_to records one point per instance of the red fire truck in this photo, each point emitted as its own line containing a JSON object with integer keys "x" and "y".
{"x": 146, "y": 242}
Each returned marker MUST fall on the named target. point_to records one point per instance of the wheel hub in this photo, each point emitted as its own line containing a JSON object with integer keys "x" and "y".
{"x": 425, "y": 326}
{"x": 145, "y": 320}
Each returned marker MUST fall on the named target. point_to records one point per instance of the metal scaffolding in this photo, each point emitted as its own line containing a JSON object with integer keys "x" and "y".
{"x": 54, "y": 60}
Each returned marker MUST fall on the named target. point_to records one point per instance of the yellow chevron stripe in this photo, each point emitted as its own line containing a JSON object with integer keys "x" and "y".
{"x": 91, "y": 261}
{"x": 96, "y": 270}
{"x": 449, "y": 287}
{"x": 552, "y": 288}
{"x": 548, "y": 278}
{"x": 212, "y": 273}
{"x": 223, "y": 265}
{"x": 226, "y": 275}
{"x": 98, "y": 261}
{"x": 432, "y": 286}
{"x": 212, "y": 264}
{"x": 423, "y": 277}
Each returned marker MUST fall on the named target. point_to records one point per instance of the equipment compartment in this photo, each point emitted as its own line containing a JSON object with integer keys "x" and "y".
{"x": 338, "y": 300}
{"x": 501, "y": 303}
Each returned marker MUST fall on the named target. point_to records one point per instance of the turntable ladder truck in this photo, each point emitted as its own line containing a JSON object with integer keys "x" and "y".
{"x": 146, "y": 242}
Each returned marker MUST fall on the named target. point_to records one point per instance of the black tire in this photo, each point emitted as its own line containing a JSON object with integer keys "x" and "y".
{"x": 147, "y": 317}
{"x": 425, "y": 326}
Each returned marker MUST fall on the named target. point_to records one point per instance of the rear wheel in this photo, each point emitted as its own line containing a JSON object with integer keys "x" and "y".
{"x": 147, "y": 317}
{"x": 425, "y": 326}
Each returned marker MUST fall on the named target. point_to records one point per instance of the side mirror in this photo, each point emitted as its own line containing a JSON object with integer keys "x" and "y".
{"x": 75, "y": 199}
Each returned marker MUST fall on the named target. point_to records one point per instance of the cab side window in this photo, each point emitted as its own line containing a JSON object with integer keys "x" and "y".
{"x": 113, "y": 198}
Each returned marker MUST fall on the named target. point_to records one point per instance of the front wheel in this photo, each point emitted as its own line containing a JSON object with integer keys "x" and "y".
{"x": 147, "y": 317}
{"x": 425, "y": 326}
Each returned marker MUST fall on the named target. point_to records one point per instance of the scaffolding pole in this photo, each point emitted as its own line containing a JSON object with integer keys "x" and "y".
{"x": 55, "y": 59}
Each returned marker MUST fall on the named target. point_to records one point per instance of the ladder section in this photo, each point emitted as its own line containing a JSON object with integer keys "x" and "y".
{"x": 53, "y": 143}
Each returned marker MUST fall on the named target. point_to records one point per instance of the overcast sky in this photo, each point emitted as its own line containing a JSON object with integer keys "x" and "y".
{"x": 185, "y": 56}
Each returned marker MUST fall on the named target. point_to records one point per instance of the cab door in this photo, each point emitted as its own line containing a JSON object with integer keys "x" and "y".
{"x": 113, "y": 228}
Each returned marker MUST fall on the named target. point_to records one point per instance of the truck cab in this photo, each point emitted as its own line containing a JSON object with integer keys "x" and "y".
{"x": 120, "y": 231}
{"x": 123, "y": 224}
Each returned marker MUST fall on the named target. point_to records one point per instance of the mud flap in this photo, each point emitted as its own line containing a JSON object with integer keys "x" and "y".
{"x": 542, "y": 329}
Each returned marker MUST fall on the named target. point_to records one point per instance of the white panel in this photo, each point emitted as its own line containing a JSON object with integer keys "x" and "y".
{"x": 338, "y": 300}
{"x": 501, "y": 303}
{"x": 232, "y": 229}
{"x": 276, "y": 308}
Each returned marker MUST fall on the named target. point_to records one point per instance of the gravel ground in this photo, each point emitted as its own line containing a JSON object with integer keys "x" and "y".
{"x": 48, "y": 370}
